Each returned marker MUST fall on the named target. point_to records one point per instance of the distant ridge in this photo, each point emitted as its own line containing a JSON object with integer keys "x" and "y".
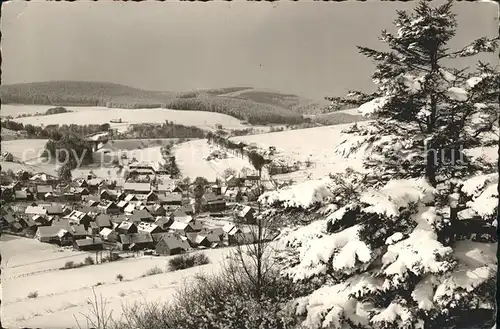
{"x": 83, "y": 93}
{"x": 256, "y": 106}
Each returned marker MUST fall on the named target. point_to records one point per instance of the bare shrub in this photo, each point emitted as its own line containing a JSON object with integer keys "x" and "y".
{"x": 153, "y": 271}
{"x": 33, "y": 294}
{"x": 89, "y": 261}
{"x": 186, "y": 261}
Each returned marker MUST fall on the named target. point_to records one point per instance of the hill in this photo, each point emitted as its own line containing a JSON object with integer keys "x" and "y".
{"x": 74, "y": 93}
{"x": 291, "y": 102}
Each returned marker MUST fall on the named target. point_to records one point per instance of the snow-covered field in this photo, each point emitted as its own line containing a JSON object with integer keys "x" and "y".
{"x": 66, "y": 295}
{"x": 190, "y": 159}
{"x": 101, "y": 115}
{"x": 26, "y": 151}
{"x": 317, "y": 145}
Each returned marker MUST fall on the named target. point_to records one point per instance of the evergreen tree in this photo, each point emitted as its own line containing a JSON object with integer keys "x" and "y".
{"x": 431, "y": 111}
{"x": 397, "y": 251}
{"x": 64, "y": 172}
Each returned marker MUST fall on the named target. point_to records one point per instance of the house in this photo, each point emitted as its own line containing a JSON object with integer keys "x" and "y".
{"x": 122, "y": 204}
{"x": 232, "y": 181}
{"x": 187, "y": 209}
{"x": 92, "y": 212}
{"x": 135, "y": 241}
{"x": 216, "y": 189}
{"x": 181, "y": 216}
{"x": 245, "y": 214}
{"x": 129, "y": 209}
{"x": 149, "y": 228}
{"x": 108, "y": 234}
{"x": 177, "y": 189}
{"x": 15, "y": 186}
{"x": 141, "y": 216}
{"x": 80, "y": 182}
{"x": 196, "y": 240}
{"x": 81, "y": 191}
{"x": 78, "y": 217}
{"x": 35, "y": 210}
{"x": 233, "y": 195}
{"x": 212, "y": 202}
{"x": 137, "y": 188}
{"x": 54, "y": 234}
{"x": 126, "y": 227}
{"x": 156, "y": 210}
{"x": 40, "y": 220}
{"x": 42, "y": 178}
{"x": 94, "y": 184}
{"x": 54, "y": 210}
{"x": 170, "y": 199}
{"x": 171, "y": 244}
{"x": 106, "y": 195}
{"x": 151, "y": 196}
{"x": 180, "y": 227}
{"x": 92, "y": 198}
{"x": 130, "y": 198}
{"x": 77, "y": 231}
{"x": 23, "y": 195}
{"x": 42, "y": 190}
{"x": 164, "y": 222}
{"x": 88, "y": 244}
{"x": 10, "y": 221}
{"x": 93, "y": 229}
{"x": 119, "y": 196}
{"x": 109, "y": 208}
{"x": 164, "y": 187}
{"x": 103, "y": 221}
{"x": 27, "y": 221}
{"x": 229, "y": 232}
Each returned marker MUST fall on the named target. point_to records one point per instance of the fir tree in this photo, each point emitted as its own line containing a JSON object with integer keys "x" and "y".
{"x": 397, "y": 251}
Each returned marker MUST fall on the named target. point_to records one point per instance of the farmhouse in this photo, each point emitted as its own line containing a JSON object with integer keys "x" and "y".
{"x": 88, "y": 244}
{"x": 164, "y": 222}
{"x": 195, "y": 240}
{"x": 136, "y": 188}
{"x": 108, "y": 234}
{"x": 56, "y": 235}
{"x": 135, "y": 241}
{"x": 122, "y": 204}
{"x": 126, "y": 227}
{"x": 156, "y": 210}
{"x": 212, "y": 202}
{"x": 10, "y": 221}
{"x": 81, "y": 191}
{"x": 232, "y": 181}
{"x": 180, "y": 227}
{"x": 78, "y": 217}
{"x": 245, "y": 214}
{"x": 35, "y": 210}
{"x": 43, "y": 178}
{"x": 43, "y": 190}
{"x": 103, "y": 221}
{"x": 109, "y": 207}
{"x": 171, "y": 244}
{"x": 94, "y": 184}
{"x": 141, "y": 216}
{"x": 149, "y": 228}
{"x": 107, "y": 195}
{"x": 23, "y": 195}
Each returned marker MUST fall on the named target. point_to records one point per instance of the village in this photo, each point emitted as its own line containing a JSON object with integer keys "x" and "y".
{"x": 155, "y": 217}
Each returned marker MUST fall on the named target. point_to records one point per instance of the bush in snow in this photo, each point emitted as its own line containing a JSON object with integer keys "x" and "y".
{"x": 217, "y": 301}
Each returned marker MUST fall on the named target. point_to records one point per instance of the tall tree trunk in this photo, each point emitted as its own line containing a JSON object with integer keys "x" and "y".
{"x": 431, "y": 153}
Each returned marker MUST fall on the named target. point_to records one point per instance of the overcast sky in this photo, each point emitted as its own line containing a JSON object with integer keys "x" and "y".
{"x": 297, "y": 47}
